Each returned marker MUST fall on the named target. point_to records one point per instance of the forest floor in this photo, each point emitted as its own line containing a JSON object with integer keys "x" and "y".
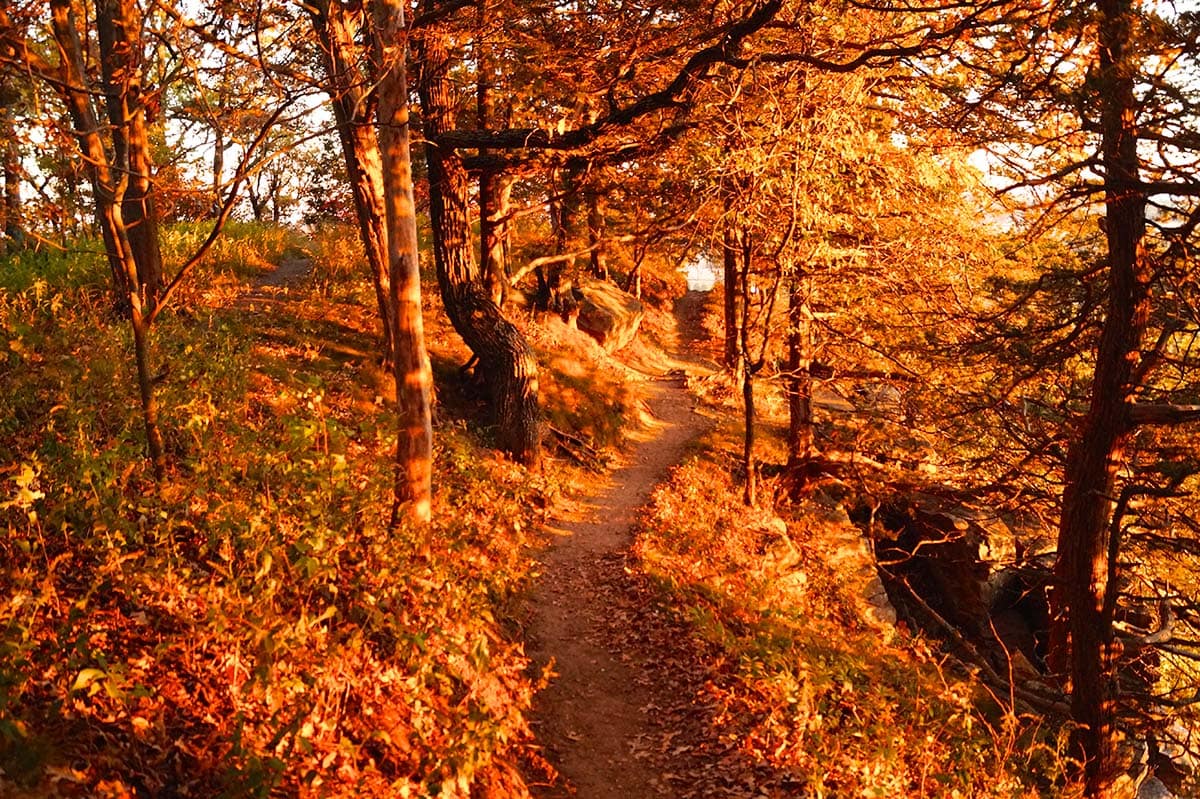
{"x": 600, "y": 721}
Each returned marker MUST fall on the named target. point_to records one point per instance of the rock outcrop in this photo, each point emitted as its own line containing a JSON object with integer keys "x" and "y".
{"x": 850, "y": 555}
{"x": 607, "y": 314}
{"x": 945, "y": 562}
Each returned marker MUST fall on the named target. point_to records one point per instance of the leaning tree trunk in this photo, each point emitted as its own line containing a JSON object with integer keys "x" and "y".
{"x": 1083, "y": 633}
{"x": 506, "y": 361}
{"x": 354, "y": 112}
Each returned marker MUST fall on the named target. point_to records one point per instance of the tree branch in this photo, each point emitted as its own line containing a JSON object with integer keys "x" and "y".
{"x": 1163, "y": 413}
{"x": 685, "y": 81}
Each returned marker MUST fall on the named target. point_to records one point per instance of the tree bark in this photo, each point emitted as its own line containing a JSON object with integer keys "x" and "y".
{"x": 633, "y": 284}
{"x": 141, "y": 353}
{"x": 729, "y": 258}
{"x": 506, "y": 361}
{"x": 275, "y": 186}
{"x": 1082, "y": 637}
{"x": 495, "y": 193}
{"x": 750, "y": 494}
{"x": 118, "y": 26}
{"x": 14, "y": 234}
{"x": 495, "y": 187}
{"x": 799, "y": 373}
{"x": 596, "y": 225}
{"x": 570, "y": 235}
{"x": 218, "y": 175}
{"x": 125, "y": 245}
{"x": 411, "y": 369}
{"x": 354, "y": 112}
{"x": 77, "y": 95}
{"x": 258, "y": 203}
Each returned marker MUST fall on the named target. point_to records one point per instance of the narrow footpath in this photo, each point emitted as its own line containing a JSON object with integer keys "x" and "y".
{"x": 595, "y": 720}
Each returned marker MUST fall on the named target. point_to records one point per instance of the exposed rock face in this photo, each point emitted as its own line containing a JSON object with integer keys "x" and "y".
{"x": 852, "y": 557}
{"x": 980, "y": 580}
{"x": 974, "y": 570}
{"x": 607, "y": 314}
{"x": 1153, "y": 788}
{"x": 937, "y": 556}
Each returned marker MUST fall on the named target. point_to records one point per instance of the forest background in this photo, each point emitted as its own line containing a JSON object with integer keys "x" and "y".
{"x": 227, "y": 566}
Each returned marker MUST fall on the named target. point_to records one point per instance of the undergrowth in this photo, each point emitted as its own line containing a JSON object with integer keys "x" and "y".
{"x": 249, "y": 627}
{"x": 841, "y": 707}
{"x": 244, "y": 249}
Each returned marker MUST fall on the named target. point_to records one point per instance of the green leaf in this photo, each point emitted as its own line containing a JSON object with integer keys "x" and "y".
{"x": 87, "y": 677}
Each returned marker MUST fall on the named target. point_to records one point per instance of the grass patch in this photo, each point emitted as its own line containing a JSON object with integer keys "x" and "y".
{"x": 246, "y": 250}
{"x": 45, "y": 271}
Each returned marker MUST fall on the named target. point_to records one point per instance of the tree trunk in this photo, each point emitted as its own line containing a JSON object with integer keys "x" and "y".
{"x": 729, "y": 253}
{"x": 1083, "y": 635}
{"x": 124, "y": 244}
{"x": 495, "y": 193}
{"x": 218, "y": 175}
{"x": 750, "y": 492}
{"x": 275, "y": 184}
{"x": 14, "y": 234}
{"x": 141, "y": 352}
{"x": 633, "y": 284}
{"x": 77, "y": 95}
{"x": 555, "y": 288}
{"x": 258, "y": 203}
{"x": 411, "y": 370}
{"x": 506, "y": 361}
{"x": 749, "y": 496}
{"x": 595, "y": 224}
{"x": 633, "y": 281}
{"x": 495, "y": 188}
{"x": 354, "y": 112}
{"x": 799, "y": 373}
{"x": 118, "y": 26}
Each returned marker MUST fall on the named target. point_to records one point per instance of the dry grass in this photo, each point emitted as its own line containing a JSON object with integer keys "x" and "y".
{"x": 824, "y": 702}
{"x": 252, "y": 627}
{"x": 820, "y": 696}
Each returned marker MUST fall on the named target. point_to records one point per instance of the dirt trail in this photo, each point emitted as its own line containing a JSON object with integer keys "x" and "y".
{"x": 289, "y": 272}
{"x": 594, "y": 719}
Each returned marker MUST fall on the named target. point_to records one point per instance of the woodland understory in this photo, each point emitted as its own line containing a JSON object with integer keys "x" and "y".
{"x": 315, "y": 313}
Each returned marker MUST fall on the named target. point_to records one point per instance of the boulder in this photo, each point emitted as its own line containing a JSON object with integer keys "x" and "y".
{"x": 849, "y": 554}
{"x": 607, "y": 314}
{"x": 1154, "y": 788}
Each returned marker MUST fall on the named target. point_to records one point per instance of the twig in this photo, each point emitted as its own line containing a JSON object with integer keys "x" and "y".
{"x": 1034, "y": 699}
{"x": 569, "y": 443}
